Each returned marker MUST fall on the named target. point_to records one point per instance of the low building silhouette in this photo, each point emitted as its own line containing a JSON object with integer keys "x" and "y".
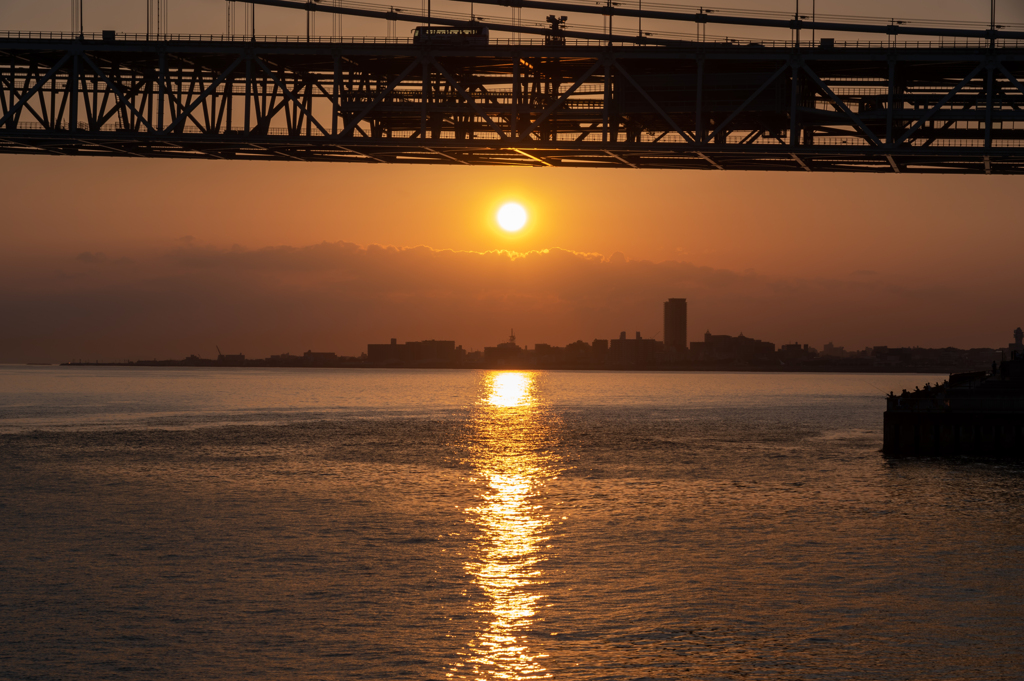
{"x": 432, "y": 352}
{"x": 945, "y": 359}
{"x": 285, "y": 360}
{"x": 504, "y": 354}
{"x": 580, "y": 352}
{"x": 1016, "y": 348}
{"x": 391, "y": 353}
{"x": 834, "y": 351}
{"x": 794, "y": 353}
{"x": 230, "y": 360}
{"x": 722, "y": 348}
{"x": 414, "y": 353}
{"x": 310, "y": 358}
{"x": 634, "y": 352}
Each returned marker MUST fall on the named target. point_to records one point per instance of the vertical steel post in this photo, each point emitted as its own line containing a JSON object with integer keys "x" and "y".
{"x": 336, "y": 96}
{"x": 94, "y": 112}
{"x": 606, "y": 108}
{"x": 73, "y": 114}
{"x": 162, "y": 81}
{"x": 425, "y": 81}
{"x": 794, "y": 130}
{"x": 699, "y": 110}
{"x": 989, "y": 95}
{"x": 248, "y": 95}
{"x": 229, "y": 94}
{"x": 308, "y": 113}
{"x": 150, "y": 98}
{"x": 515, "y": 94}
{"x": 892, "y": 102}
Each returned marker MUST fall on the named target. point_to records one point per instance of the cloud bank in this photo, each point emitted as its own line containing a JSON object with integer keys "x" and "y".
{"x": 339, "y": 296}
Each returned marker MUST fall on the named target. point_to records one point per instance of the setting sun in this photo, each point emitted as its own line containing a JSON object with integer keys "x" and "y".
{"x": 511, "y": 217}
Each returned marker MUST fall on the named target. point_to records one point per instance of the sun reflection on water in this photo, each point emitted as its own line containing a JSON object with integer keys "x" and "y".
{"x": 513, "y": 452}
{"x": 510, "y": 389}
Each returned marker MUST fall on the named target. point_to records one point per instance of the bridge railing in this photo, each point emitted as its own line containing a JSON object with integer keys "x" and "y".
{"x": 65, "y": 36}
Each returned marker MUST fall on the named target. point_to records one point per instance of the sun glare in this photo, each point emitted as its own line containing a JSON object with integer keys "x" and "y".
{"x": 511, "y": 217}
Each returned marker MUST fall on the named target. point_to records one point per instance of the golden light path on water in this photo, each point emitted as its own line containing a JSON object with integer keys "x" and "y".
{"x": 513, "y": 452}
{"x": 510, "y": 389}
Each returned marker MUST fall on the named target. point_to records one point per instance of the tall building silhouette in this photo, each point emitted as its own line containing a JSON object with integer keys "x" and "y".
{"x": 675, "y": 325}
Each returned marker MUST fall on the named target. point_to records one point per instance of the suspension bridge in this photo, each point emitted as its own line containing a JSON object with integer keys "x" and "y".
{"x": 901, "y": 100}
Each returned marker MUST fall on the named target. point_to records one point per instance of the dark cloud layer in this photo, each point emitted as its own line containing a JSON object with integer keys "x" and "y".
{"x": 339, "y": 296}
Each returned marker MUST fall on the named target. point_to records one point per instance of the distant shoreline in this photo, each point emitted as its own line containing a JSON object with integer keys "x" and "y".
{"x": 682, "y": 368}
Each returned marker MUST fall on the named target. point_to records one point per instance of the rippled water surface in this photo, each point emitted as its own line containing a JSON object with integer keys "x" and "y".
{"x": 276, "y": 524}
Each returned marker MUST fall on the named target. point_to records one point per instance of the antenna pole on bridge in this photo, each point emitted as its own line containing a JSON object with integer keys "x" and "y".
{"x": 992, "y": 25}
{"x": 609, "y": 23}
{"x": 797, "y": 17}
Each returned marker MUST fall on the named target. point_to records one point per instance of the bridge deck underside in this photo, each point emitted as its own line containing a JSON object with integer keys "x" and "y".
{"x": 710, "y": 107}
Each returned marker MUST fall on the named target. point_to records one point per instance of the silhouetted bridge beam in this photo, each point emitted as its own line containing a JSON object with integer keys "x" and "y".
{"x": 705, "y": 106}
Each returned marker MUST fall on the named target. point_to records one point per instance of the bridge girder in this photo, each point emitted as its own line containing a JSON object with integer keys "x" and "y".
{"x": 710, "y": 107}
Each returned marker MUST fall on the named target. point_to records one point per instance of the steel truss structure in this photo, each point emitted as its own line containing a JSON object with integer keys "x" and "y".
{"x": 699, "y": 106}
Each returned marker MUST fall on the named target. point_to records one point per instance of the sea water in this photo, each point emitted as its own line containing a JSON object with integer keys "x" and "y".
{"x": 386, "y": 524}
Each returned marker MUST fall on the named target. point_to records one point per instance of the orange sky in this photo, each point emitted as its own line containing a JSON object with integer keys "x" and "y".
{"x": 854, "y": 259}
{"x": 778, "y": 224}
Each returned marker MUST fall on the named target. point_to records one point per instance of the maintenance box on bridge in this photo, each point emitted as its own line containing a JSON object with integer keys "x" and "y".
{"x": 451, "y": 36}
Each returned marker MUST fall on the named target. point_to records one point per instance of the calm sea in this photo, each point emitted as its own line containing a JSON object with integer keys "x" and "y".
{"x": 373, "y": 524}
